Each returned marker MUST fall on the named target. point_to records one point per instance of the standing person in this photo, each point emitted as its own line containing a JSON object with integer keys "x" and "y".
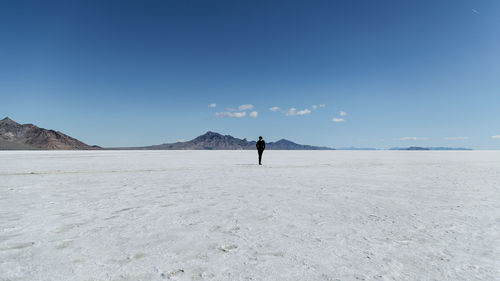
{"x": 261, "y": 145}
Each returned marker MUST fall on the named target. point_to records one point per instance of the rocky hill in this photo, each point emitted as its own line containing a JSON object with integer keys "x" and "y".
{"x": 216, "y": 141}
{"x": 14, "y": 136}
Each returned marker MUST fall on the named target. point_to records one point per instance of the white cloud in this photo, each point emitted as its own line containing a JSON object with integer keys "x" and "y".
{"x": 228, "y": 114}
{"x": 476, "y": 11}
{"x": 343, "y": 113}
{"x": 245, "y": 107}
{"x": 314, "y": 107}
{"x": 456, "y": 138}
{"x": 412, "y": 138}
{"x": 322, "y": 106}
{"x": 239, "y": 114}
{"x": 291, "y": 112}
{"x": 496, "y": 137}
{"x": 274, "y": 108}
{"x": 303, "y": 112}
{"x": 253, "y": 114}
{"x": 212, "y": 105}
{"x": 336, "y": 120}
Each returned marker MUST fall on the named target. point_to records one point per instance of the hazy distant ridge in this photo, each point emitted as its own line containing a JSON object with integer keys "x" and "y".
{"x": 14, "y": 136}
{"x": 429, "y": 148}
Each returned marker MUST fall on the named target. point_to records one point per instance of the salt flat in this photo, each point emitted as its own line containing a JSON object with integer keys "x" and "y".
{"x": 215, "y": 215}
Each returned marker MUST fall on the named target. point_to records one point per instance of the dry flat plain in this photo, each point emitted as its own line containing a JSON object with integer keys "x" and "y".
{"x": 215, "y": 215}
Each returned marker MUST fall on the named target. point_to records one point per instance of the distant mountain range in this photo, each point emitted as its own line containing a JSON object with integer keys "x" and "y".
{"x": 429, "y": 148}
{"x": 356, "y": 148}
{"x": 14, "y": 136}
{"x": 216, "y": 141}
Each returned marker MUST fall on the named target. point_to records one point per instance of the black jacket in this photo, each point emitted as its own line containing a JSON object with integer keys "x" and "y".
{"x": 261, "y": 145}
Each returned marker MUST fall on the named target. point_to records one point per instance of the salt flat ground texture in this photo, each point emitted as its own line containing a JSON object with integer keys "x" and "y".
{"x": 215, "y": 215}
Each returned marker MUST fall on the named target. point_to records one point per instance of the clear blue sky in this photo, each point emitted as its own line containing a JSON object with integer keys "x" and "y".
{"x": 130, "y": 73}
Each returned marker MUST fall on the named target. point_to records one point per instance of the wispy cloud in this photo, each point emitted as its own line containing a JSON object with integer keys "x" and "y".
{"x": 212, "y": 105}
{"x": 476, "y": 11}
{"x": 228, "y": 114}
{"x": 254, "y": 114}
{"x": 245, "y": 107}
{"x": 412, "y": 138}
{"x": 456, "y": 138}
{"x": 340, "y": 119}
{"x": 496, "y": 137}
{"x": 303, "y": 112}
{"x": 291, "y": 112}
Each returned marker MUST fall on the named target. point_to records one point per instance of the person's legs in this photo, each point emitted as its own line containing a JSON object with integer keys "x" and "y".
{"x": 260, "y": 157}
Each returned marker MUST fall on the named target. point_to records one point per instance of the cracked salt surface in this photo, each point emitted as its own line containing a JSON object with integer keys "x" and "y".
{"x": 215, "y": 215}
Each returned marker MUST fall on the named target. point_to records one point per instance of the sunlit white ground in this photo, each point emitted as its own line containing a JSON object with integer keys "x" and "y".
{"x": 215, "y": 215}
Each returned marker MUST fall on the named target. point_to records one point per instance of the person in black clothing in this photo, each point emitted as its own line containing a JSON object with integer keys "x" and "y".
{"x": 261, "y": 145}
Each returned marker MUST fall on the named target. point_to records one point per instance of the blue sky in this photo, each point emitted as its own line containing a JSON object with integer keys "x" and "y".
{"x": 130, "y": 73}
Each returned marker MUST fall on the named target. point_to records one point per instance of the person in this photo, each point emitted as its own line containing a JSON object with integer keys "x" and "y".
{"x": 261, "y": 145}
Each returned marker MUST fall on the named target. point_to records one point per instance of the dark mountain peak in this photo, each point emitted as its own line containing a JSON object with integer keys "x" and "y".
{"x": 209, "y": 136}
{"x": 8, "y": 121}
{"x": 415, "y": 148}
{"x": 210, "y": 133}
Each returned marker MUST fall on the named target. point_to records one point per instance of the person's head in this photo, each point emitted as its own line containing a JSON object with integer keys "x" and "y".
{"x": 260, "y": 137}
